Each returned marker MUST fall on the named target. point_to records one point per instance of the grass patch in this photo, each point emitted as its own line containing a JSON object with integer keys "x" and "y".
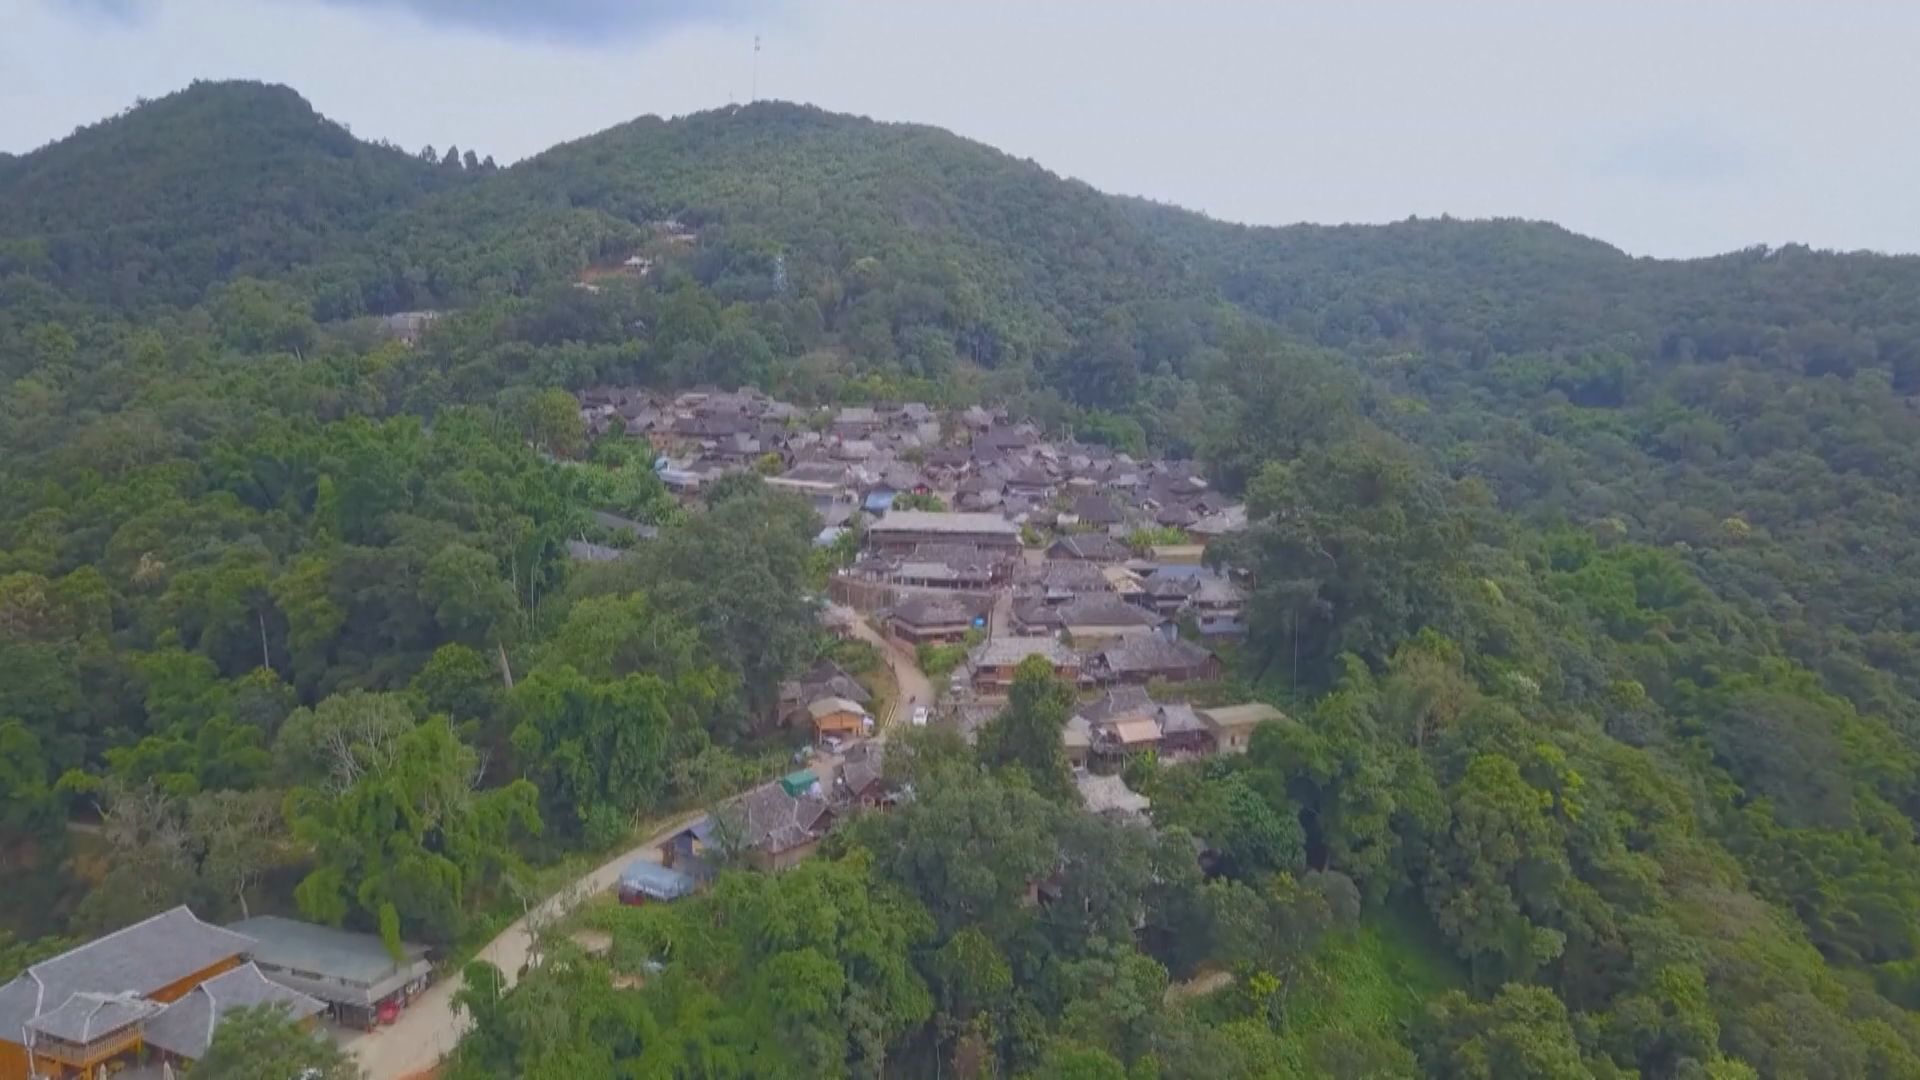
{"x": 879, "y": 682}
{"x": 1372, "y": 982}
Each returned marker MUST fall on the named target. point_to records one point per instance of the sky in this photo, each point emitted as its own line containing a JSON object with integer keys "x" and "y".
{"x": 1673, "y": 129}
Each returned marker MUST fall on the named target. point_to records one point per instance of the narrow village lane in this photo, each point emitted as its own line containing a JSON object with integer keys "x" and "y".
{"x": 915, "y": 687}
{"x": 431, "y": 1027}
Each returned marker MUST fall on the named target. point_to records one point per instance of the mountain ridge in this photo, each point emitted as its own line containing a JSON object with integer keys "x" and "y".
{"x": 279, "y": 130}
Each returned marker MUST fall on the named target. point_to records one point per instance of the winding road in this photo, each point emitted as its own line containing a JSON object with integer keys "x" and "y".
{"x": 915, "y": 687}
{"x": 430, "y": 1027}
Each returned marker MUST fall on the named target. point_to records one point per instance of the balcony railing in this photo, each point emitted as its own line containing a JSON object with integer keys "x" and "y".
{"x": 84, "y": 1055}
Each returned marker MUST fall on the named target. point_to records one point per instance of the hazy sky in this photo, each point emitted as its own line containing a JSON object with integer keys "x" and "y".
{"x": 1665, "y": 128}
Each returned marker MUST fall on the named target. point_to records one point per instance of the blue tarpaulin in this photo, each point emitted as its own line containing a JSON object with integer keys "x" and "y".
{"x": 655, "y": 882}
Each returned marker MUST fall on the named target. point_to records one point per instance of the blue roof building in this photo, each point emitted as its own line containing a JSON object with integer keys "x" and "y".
{"x": 647, "y": 881}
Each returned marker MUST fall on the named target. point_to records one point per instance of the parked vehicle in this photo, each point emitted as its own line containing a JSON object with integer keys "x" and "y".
{"x": 920, "y": 715}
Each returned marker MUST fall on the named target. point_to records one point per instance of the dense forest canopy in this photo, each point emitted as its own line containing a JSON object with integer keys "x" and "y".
{"x": 1586, "y": 581}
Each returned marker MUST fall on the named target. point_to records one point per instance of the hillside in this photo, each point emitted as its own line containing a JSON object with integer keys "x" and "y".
{"x": 1586, "y": 582}
{"x": 217, "y": 181}
{"x": 1740, "y": 406}
{"x": 1003, "y": 258}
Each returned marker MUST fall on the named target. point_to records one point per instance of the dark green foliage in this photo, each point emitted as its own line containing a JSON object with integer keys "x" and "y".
{"x": 1025, "y": 737}
{"x": 262, "y": 1041}
{"x": 217, "y": 181}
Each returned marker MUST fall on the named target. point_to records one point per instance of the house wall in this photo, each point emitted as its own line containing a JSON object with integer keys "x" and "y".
{"x": 174, "y": 991}
{"x": 785, "y": 860}
{"x": 840, "y": 723}
{"x": 13, "y": 1056}
{"x": 1233, "y": 740}
{"x": 903, "y": 543}
{"x": 1091, "y": 636}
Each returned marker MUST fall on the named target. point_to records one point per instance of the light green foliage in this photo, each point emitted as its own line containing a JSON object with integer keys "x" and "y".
{"x": 806, "y": 974}
{"x": 1145, "y": 539}
{"x": 914, "y": 500}
{"x": 407, "y": 839}
{"x": 938, "y": 661}
{"x": 1523, "y": 1031}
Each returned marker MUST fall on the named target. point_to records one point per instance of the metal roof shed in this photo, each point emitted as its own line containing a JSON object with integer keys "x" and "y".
{"x": 644, "y": 877}
{"x": 337, "y": 966}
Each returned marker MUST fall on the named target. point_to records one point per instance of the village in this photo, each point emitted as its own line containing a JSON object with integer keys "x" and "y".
{"x": 978, "y": 545}
{"x": 974, "y": 545}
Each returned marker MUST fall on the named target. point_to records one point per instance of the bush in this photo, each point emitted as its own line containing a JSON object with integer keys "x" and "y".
{"x": 858, "y": 657}
{"x": 938, "y": 661}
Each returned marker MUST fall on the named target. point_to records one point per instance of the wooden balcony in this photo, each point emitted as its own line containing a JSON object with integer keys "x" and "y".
{"x": 85, "y": 1056}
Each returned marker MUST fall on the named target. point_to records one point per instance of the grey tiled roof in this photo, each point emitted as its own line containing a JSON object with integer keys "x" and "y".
{"x": 1097, "y": 546}
{"x": 1104, "y": 609}
{"x": 587, "y": 551}
{"x": 353, "y": 968}
{"x": 769, "y": 819}
{"x": 139, "y": 959}
{"x": 935, "y": 521}
{"x": 85, "y": 1017}
{"x": 1110, "y": 795}
{"x": 1179, "y": 719}
{"x": 1008, "y": 651}
{"x": 1118, "y": 701}
{"x": 186, "y": 1027}
{"x": 1150, "y": 653}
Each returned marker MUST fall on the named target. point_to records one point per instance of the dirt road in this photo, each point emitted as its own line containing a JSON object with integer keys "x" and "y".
{"x": 915, "y": 687}
{"x": 430, "y": 1027}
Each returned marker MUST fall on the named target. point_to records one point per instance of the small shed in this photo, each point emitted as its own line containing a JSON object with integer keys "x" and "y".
{"x": 836, "y": 716}
{"x": 1233, "y": 724}
{"x": 796, "y": 784}
{"x": 647, "y": 882}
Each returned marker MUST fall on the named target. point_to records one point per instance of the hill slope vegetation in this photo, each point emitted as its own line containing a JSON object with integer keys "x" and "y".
{"x": 1585, "y": 579}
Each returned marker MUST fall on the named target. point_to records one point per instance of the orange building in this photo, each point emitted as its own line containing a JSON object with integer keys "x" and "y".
{"x": 73, "y": 1014}
{"x": 837, "y": 716}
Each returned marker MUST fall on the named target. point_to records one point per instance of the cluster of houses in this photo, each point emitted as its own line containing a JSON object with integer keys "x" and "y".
{"x": 772, "y": 827}
{"x": 860, "y": 459}
{"x": 978, "y": 530}
{"x": 973, "y": 527}
{"x": 143, "y": 1002}
{"x": 1125, "y": 721}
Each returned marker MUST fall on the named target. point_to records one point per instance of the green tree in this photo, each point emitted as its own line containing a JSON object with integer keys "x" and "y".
{"x": 552, "y": 422}
{"x": 407, "y": 840}
{"x": 1025, "y": 737}
{"x": 263, "y": 1041}
{"x": 1522, "y": 1032}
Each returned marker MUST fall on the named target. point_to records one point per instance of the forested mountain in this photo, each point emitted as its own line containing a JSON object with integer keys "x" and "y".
{"x": 212, "y": 183}
{"x": 1586, "y": 581}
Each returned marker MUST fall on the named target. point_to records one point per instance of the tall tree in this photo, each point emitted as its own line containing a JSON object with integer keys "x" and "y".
{"x": 1025, "y": 736}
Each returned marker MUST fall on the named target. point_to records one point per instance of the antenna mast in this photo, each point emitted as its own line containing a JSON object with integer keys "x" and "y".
{"x": 755, "y": 95}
